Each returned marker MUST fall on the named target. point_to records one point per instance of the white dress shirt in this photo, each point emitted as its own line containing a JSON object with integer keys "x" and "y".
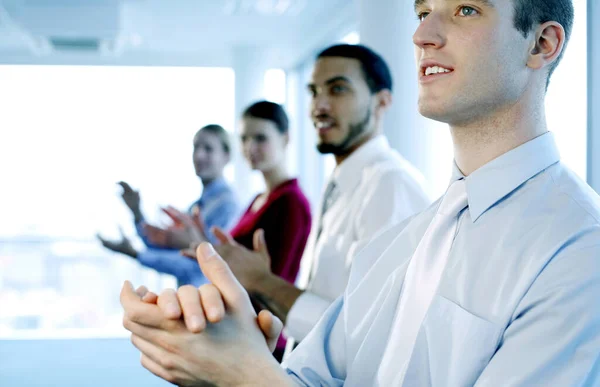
{"x": 518, "y": 303}
{"x": 376, "y": 188}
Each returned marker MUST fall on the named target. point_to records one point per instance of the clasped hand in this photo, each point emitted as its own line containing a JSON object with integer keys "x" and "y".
{"x": 206, "y": 336}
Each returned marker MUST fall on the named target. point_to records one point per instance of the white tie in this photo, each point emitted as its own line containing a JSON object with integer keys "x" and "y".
{"x": 420, "y": 284}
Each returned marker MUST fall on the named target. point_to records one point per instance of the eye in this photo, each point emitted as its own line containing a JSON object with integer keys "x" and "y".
{"x": 422, "y": 15}
{"x": 338, "y": 89}
{"x": 467, "y": 11}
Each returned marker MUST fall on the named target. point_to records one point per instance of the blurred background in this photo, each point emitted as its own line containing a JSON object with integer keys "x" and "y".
{"x": 97, "y": 91}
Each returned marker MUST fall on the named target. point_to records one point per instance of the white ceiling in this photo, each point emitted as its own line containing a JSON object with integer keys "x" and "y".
{"x": 159, "y": 32}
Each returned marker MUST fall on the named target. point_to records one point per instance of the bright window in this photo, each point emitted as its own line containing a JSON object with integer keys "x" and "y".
{"x": 69, "y": 134}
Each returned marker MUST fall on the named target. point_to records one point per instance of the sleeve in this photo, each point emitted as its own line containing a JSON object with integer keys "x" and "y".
{"x": 286, "y": 232}
{"x": 554, "y": 338}
{"x": 171, "y": 262}
{"x": 223, "y": 216}
{"x": 320, "y": 359}
{"x": 139, "y": 227}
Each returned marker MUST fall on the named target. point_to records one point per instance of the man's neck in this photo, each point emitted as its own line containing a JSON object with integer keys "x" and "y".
{"x": 362, "y": 141}
{"x": 480, "y": 142}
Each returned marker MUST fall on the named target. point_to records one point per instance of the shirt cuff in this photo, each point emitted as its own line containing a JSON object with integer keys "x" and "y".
{"x": 305, "y": 314}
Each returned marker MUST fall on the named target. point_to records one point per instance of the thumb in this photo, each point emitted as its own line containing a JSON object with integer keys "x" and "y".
{"x": 126, "y": 187}
{"x": 219, "y": 273}
{"x": 197, "y": 218}
{"x": 270, "y": 326}
{"x": 173, "y": 214}
{"x": 258, "y": 241}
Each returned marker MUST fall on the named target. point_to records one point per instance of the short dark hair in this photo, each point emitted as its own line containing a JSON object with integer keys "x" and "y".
{"x": 269, "y": 111}
{"x": 220, "y": 132}
{"x": 529, "y": 13}
{"x": 376, "y": 71}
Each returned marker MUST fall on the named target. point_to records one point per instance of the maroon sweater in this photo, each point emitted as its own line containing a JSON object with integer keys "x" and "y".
{"x": 285, "y": 218}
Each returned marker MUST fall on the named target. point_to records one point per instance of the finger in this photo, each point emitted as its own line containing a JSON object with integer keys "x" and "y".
{"x": 173, "y": 214}
{"x": 189, "y": 253}
{"x": 193, "y": 314}
{"x": 169, "y": 304}
{"x": 218, "y": 272}
{"x": 223, "y": 236}
{"x": 146, "y": 295}
{"x": 271, "y": 326}
{"x": 156, "y": 369}
{"x": 258, "y": 241}
{"x": 155, "y": 353}
{"x": 122, "y": 233}
{"x": 137, "y": 311}
{"x": 150, "y": 298}
{"x": 126, "y": 187}
{"x": 212, "y": 303}
{"x": 197, "y": 218}
{"x": 141, "y": 291}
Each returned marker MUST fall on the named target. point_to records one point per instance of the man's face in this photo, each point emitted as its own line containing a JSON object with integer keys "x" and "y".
{"x": 470, "y": 57}
{"x": 209, "y": 155}
{"x": 341, "y": 104}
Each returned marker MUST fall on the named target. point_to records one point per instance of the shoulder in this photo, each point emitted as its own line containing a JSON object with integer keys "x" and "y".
{"x": 290, "y": 195}
{"x": 390, "y": 169}
{"x": 572, "y": 192}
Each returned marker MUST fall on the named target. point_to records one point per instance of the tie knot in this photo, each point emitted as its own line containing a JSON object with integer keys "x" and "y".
{"x": 455, "y": 199}
{"x": 330, "y": 196}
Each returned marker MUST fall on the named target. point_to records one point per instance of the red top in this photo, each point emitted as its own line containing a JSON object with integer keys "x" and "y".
{"x": 285, "y": 218}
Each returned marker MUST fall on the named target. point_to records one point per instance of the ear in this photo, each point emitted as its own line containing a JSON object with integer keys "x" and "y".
{"x": 286, "y": 139}
{"x": 549, "y": 43}
{"x": 383, "y": 100}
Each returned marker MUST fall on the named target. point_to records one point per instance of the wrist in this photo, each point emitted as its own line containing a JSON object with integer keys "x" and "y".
{"x": 263, "y": 371}
{"x": 132, "y": 253}
{"x": 256, "y": 282}
{"x": 137, "y": 214}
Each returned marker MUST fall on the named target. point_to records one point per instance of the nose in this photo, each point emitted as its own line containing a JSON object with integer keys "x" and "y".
{"x": 431, "y": 32}
{"x": 320, "y": 104}
{"x": 199, "y": 155}
{"x": 249, "y": 146}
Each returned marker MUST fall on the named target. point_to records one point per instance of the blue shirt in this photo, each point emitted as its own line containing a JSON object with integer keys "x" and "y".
{"x": 518, "y": 303}
{"x": 219, "y": 207}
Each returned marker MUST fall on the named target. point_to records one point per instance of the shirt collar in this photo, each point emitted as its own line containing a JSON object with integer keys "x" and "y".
{"x": 215, "y": 188}
{"x": 346, "y": 175}
{"x": 501, "y": 176}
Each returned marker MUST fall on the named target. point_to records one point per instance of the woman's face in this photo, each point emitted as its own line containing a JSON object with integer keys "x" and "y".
{"x": 262, "y": 144}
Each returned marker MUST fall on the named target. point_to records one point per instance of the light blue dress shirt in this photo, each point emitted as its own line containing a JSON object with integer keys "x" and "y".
{"x": 219, "y": 207}
{"x": 518, "y": 303}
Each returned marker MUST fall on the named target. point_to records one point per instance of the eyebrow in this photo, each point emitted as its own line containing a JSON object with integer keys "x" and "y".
{"x": 487, "y": 3}
{"x": 339, "y": 78}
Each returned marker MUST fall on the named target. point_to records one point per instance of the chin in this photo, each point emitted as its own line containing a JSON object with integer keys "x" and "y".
{"x": 434, "y": 112}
